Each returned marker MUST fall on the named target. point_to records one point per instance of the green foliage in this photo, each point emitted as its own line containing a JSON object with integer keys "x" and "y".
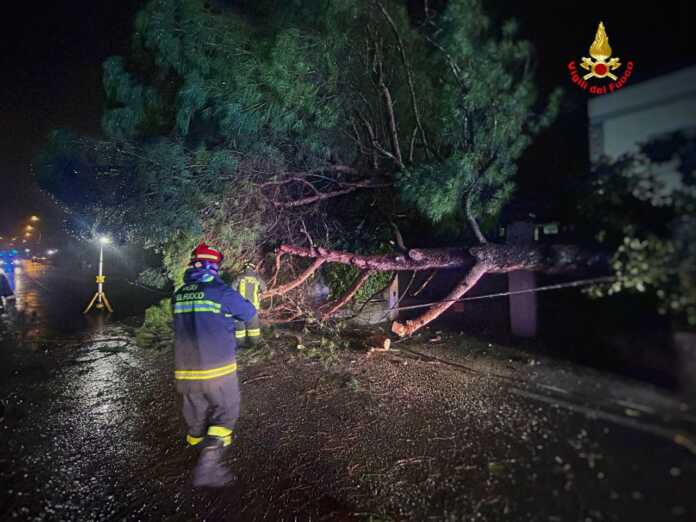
{"x": 340, "y": 278}
{"x": 324, "y": 349}
{"x": 644, "y": 204}
{"x": 213, "y": 101}
{"x": 484, "y": 114}
{"x": 157, "y": 329}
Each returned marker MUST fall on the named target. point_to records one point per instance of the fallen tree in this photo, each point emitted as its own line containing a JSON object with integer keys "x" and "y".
{"x": 264, "y": 127}
{"x": 487, "y": 258}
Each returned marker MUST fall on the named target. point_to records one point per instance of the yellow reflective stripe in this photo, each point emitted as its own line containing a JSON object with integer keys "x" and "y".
{"x": 193, "y": 440}
{"x": 199, "y": 302}
{"x": 219, "y": 431}
{"x": 254, "y": 332}
{"x": 226, "y": 441}
{"x": 254, "y": 298}
{"x": 240, "y": 333}
{"x": 242, "y": 287}
{"x": 201, "y": 305}
{"x": 197, "y": 309}
{"x": 206, "y": 256}
{"x": 194, "y": 375}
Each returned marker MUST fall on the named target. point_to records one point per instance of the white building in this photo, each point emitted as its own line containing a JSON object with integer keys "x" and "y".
{"x": 637, "y": 113}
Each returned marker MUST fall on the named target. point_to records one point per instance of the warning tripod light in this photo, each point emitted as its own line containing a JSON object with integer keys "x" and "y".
{"x": 100, "y": 301}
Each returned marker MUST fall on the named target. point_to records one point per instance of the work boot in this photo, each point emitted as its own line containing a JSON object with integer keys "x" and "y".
{"x": 210, "y": 471}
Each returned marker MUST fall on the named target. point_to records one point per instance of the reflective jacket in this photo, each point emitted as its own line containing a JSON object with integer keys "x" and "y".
{"x": 250, "y": 285}
{"x": 205, "y": 310}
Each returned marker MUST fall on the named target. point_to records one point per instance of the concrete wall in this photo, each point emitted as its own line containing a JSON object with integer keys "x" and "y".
{"x": 637, "y": 113}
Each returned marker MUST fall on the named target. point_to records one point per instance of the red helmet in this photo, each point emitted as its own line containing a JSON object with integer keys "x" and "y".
{"x": 204, "y": 252}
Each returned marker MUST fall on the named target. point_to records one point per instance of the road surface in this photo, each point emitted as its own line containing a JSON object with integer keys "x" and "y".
{"x": 453, "y": 429}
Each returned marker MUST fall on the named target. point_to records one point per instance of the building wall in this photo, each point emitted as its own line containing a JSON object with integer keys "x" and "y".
{"x": 640, "y": 112}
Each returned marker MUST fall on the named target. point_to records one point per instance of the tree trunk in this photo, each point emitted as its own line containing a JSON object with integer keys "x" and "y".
{"x": 413, "y": 260}
{"x": 482, "y": 259}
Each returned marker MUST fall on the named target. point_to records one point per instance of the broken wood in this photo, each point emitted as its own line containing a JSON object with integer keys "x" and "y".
{"x": 378, "y": 343}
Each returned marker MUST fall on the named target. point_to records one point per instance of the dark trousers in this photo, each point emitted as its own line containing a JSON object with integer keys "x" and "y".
{"x": 248, "y": 332}
{"x": 211, "y": 409}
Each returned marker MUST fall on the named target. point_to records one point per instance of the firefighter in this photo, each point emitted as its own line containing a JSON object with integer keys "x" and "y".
{"x": 205, "y": 311}
{"x": 249, "y": 285}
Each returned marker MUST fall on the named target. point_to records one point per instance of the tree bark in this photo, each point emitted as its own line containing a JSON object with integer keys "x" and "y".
{"x": 413, "y": 260}
{"x": 466, "y": 284}
{"x": 500, "y": 259}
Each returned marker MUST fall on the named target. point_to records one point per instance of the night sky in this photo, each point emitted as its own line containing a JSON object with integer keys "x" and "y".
{"x": 51, "y": 62}
{"x": 52, "y": 54}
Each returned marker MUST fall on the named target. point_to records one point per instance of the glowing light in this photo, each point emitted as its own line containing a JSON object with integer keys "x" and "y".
{"x": 34, "y": 219}
{"x": 104, "y": 240}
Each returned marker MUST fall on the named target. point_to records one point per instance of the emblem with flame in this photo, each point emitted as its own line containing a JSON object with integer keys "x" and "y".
{"x": 603, "y": 64}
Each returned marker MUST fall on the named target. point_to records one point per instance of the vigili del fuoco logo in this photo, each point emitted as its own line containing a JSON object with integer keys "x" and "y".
{"x": 601, "y": 65}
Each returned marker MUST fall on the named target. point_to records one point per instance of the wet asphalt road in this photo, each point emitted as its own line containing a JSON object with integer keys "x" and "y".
{"x": 91, "y": 431}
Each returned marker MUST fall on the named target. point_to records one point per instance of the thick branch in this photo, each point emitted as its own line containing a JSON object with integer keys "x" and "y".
{"x": 472, "y": 219}
{"x": 283, "y": 289}
{"x": 343, "y": 300}
{"x": 276, "y": 270}
{"x": 466, "y": 284}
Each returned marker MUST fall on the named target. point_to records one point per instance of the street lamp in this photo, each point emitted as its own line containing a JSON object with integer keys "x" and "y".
{"x": 100, "y": 297}
{"x": 34, "y": 219}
